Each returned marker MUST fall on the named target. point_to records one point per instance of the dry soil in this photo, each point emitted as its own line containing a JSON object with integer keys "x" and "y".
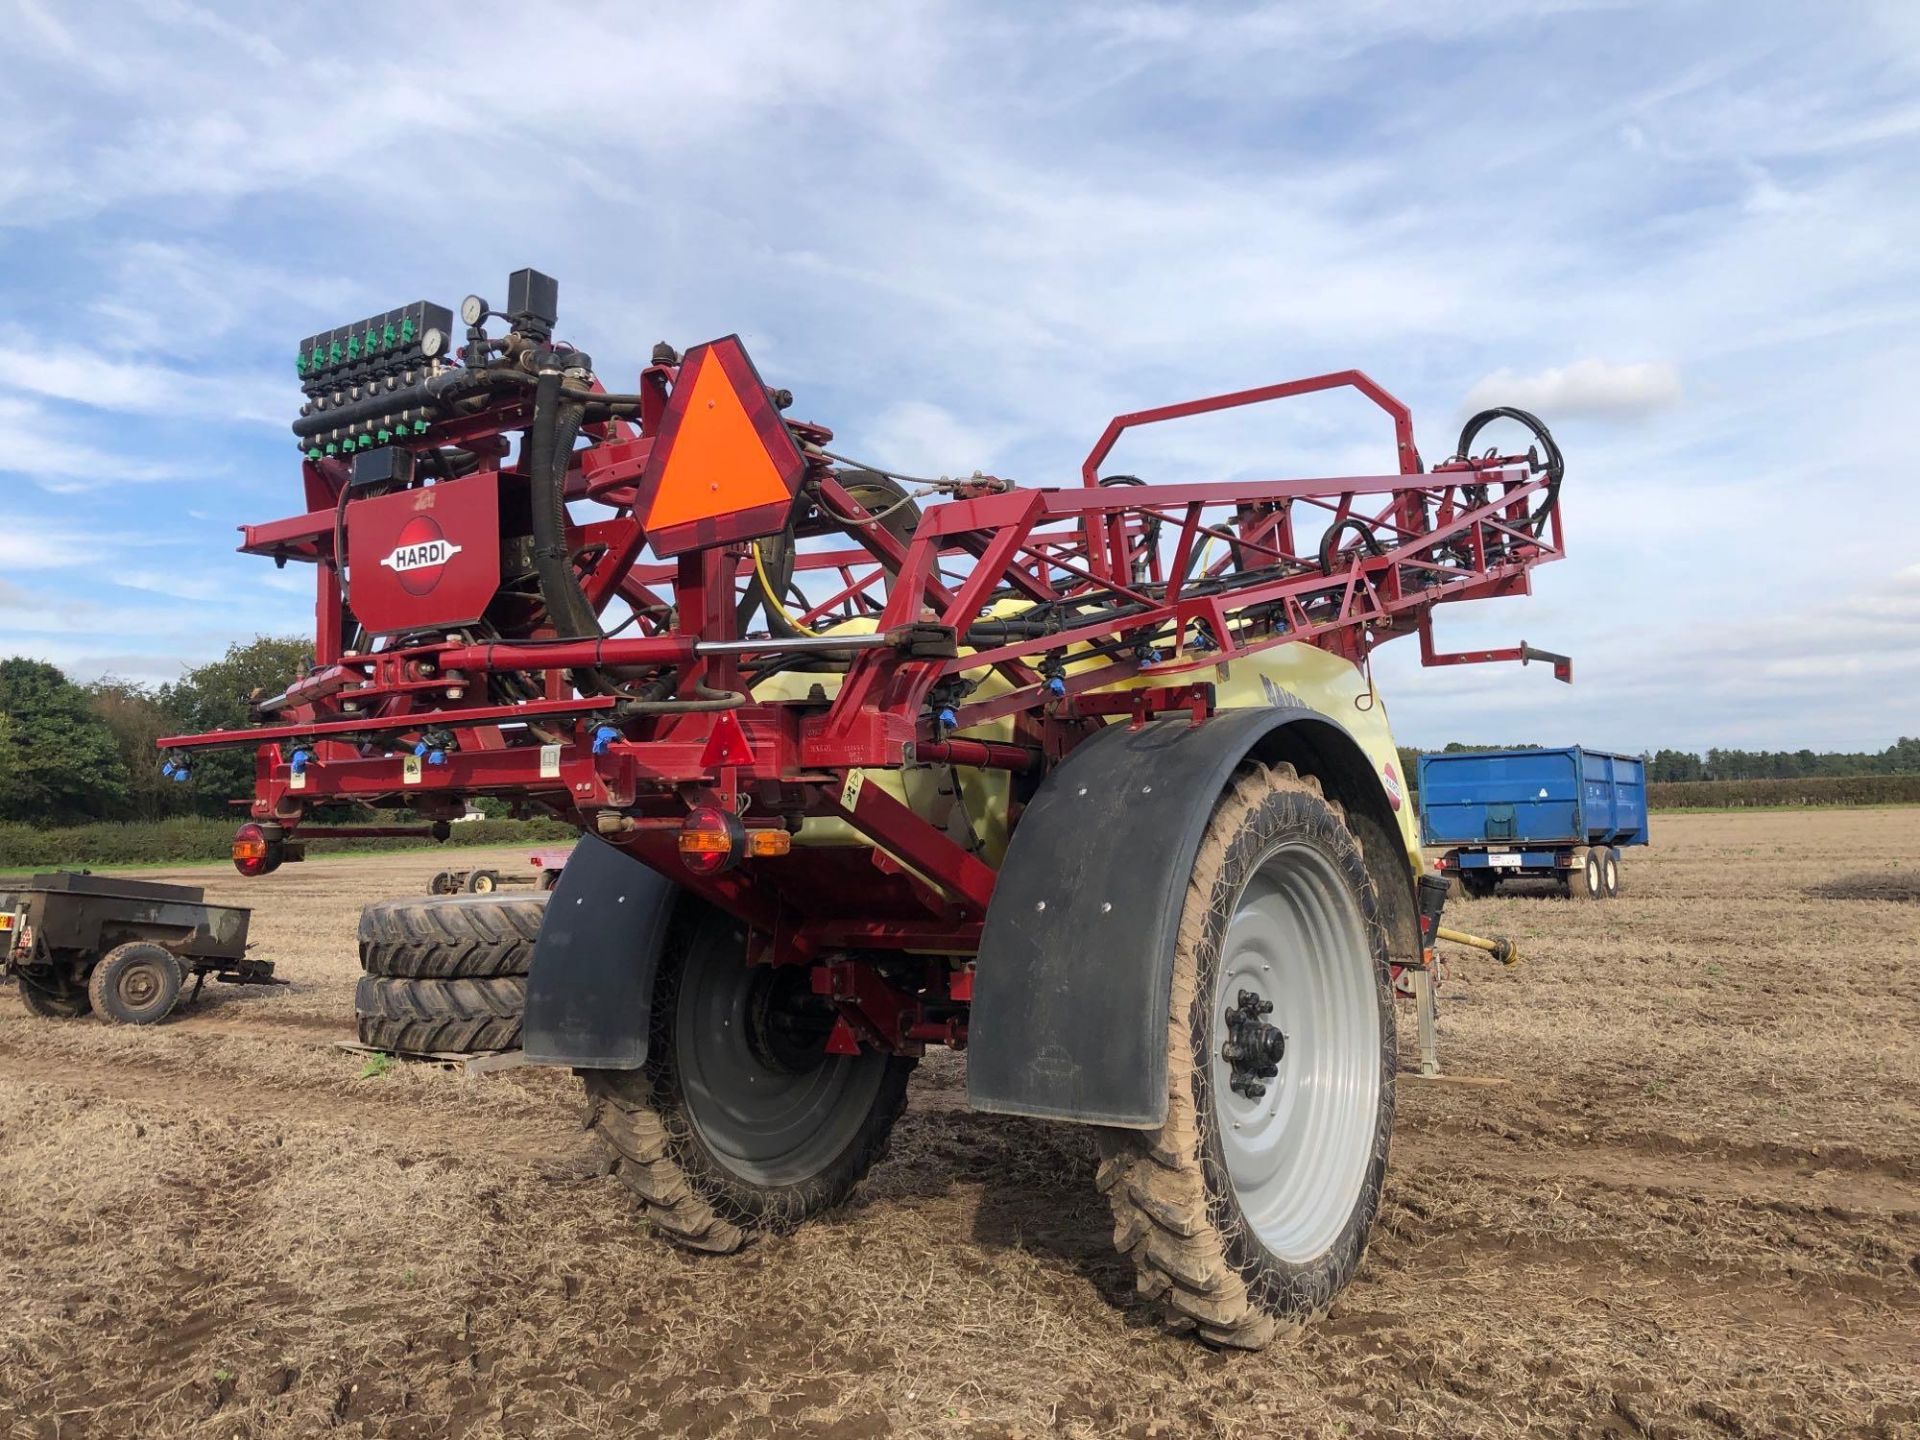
{"x": 1688, "y": 1203}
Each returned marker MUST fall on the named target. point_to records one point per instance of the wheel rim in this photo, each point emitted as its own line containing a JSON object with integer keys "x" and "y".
{"x": 1594, "y": 882}
{"x": 139, "y": 985}
{"x": 772, "y": 1112}
{"x": 1611, "y": 873}
{"x": 1298, "y": 1156}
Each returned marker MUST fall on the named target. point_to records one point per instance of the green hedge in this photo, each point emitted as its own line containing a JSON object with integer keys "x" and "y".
{"x": 1814, "y": 790}
{"x": 23, "y": 847}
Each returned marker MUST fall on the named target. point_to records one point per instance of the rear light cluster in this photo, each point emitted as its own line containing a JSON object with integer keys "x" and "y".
{"x": 255, "y": 852}
{"x": 713, "y": 840}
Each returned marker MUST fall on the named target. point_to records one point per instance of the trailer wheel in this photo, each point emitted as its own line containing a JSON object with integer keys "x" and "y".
{"x": 1588, "y": 880}
{"x": 54, "y": 1002}
{"x": 446, "y": 882}
{"x": 483, "y": 882}
{"x": 1249, "y": 1208}
{"x": 135, "y": 984}
{"x": 1477, "y": 884}
{"x": 452, "y": 937}
{"x": 440, "y": 1017}
{"x": 1610, "y": 873}
{"x": 740, "y": 1121}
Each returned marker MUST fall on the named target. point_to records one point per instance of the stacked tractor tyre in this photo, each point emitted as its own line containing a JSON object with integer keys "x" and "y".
{"x": 446, "y": 975}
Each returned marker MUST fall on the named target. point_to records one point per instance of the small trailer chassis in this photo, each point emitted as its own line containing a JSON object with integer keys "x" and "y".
{"x": 546, "y": 866}
{"x": 75, "y": 942}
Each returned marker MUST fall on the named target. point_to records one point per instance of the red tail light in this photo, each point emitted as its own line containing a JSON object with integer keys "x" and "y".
{"x": 711, "y": 840}
{"x": 255, "y": 852}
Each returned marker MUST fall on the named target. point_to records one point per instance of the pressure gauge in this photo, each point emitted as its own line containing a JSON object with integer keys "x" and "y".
{"x": 432, "y": 342}
{"x": 473, "y": 310}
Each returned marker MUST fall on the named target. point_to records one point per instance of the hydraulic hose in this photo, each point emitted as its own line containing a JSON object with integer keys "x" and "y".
{"x": 436, "y": 390}
{"x": 549, "y": 447}
{"x": 1556, "y": 465}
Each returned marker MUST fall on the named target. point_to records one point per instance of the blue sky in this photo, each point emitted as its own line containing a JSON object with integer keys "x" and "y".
{"x": 965, "y": 234}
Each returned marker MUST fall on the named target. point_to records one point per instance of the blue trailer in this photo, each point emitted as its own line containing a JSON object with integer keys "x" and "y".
{"x": 1536, "y": 814}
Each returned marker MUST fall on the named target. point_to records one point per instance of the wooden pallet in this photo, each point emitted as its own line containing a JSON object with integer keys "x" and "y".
{"x": 484, "y": 1062}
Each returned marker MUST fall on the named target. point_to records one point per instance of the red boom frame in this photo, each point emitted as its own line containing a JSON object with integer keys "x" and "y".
{"x": 1127, "y": 570}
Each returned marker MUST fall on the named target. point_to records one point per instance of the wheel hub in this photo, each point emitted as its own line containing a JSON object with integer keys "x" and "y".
{"x": 1253, "y": 1048}
{"x": 139, "y": 985}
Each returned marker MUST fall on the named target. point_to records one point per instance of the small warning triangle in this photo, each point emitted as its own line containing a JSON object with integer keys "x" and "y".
{"x": 727, "y": 745}
{"x": 723, "y": 467}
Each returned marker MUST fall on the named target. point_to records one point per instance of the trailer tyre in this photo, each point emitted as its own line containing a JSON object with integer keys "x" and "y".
{"x": 740, "y": 1122}
{"x": 440, "y": 1017}
{"x": 483, "y": 882}
{"x": 1588, "y": 880}
{"x": 451, "y": 937}
{"x": 1610, "y": 872}
{"x": 50, "y": 1003}
{"x": 135, "y": 984}
{"x": 1250, "y": 1207}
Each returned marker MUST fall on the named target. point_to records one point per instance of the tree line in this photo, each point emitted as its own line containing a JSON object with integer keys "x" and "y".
{"x": 73, "y": 753}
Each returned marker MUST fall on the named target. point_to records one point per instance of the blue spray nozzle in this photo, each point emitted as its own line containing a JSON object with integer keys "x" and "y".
{"x": 948, "y": 717}
{"x": 1056, "y": 686}
{"x": 603, "y": 738}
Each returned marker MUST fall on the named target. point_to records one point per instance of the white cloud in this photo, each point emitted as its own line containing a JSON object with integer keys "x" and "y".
{"x": 1584, "y": 388}
{"x": 142, "y": 386}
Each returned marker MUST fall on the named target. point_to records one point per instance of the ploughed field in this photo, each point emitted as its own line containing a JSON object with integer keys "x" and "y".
{"x": 1690, "y": 1206}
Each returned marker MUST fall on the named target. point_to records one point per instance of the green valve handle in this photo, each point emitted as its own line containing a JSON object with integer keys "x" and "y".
{"x": 353, "y": 347}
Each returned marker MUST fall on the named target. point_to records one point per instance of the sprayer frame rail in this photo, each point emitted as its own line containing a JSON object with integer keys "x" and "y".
{"x": 1147, "y": 585}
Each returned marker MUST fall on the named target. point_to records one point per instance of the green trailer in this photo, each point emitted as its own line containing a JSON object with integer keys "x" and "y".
{"x": 76, "y": 942}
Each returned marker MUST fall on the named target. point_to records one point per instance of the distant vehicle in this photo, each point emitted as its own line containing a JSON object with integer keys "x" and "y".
{"x": 1534, "y": 815}
{"x": 75, "y": 942}
{"x": 549, "y": 864}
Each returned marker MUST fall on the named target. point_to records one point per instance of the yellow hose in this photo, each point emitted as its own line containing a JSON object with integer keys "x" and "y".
{"x": 766, "y": 588}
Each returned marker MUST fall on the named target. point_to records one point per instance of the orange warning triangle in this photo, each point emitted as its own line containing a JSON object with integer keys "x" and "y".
{"x": 717, "y": 461}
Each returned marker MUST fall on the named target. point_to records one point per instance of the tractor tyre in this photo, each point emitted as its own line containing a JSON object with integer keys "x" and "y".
{"x": 740, "y": 1122}
{"x": 135, "y": 983}
{"x": 1588, "y": 879}
{"x": 440, "y": 1017}
{"x": 59, "y": 1001}
{"x": 451, "y": 937}
{"x": 1249, "y": 1208}
{"x": 1479, "y": 884}
{"x": 1610, "y": 872}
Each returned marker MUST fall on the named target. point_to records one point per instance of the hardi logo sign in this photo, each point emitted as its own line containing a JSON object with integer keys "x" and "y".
{"x": 420, "y": 555}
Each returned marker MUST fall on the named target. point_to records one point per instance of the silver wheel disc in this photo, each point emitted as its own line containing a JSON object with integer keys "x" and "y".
{"x": 1298, "y": 1156}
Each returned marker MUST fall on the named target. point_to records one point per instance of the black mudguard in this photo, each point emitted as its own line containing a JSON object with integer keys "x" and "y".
{"x": 1075, "y": 971}
{"x": 590, "y": 993}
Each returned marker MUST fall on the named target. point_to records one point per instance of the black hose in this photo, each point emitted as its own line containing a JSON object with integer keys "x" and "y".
{"x": 1332, "y": 537}
{"x": 435, "y": 390}
{"x": 1556, "y": 466}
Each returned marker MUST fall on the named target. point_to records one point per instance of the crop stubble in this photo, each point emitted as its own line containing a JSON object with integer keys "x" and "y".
{"x": 1693, "y": 1209}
